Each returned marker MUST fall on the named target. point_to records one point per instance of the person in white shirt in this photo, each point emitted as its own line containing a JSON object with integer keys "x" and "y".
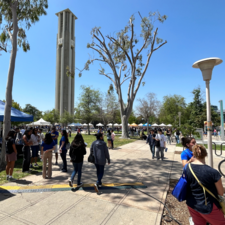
{"x": 160, "y": 137}
{"x": 34, "y": 147}
{"x": 41, "y": 138}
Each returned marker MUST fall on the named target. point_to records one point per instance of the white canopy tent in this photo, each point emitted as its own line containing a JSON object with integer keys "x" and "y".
{"x": 140, "y": 125}
{"x": 169, "y": 125}
{"x": 116, "y": 125}
{"x": 40, "y": 122}
{"x": 121, "y": 125}
{"x": 162, "y": 125}
{"x": 155, "y": 125}
{"x": 85, "y": 125}
{"x": 99, "y": 125}
{"x": 109, "y": 125}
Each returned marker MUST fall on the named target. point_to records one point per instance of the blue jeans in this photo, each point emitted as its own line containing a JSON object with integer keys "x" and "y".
{"x": 169, "y": 139}
{"x": 77, "y": 169}
{"x": 63, "y": 156}
{"x": 35, "y": 149}
{"x": 152, "y": 147}
{"x": 100, "y": 173}
{"x": 177, "y": 138}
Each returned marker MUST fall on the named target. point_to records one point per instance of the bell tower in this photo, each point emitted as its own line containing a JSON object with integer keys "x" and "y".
{"x": 65, "y": 57}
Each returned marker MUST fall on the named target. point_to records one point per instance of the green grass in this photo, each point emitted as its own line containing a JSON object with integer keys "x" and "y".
{"x": 17, "y": 172}
{"x": 213, "y": 146}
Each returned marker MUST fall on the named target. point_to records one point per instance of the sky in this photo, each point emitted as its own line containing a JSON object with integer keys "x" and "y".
{"x": 194, "y": 30}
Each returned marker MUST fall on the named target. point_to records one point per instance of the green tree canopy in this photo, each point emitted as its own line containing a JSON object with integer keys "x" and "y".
{"x": 51, "y": 116}
{"x": 88, "y": 106}
{"x": 32, "y": 110}
{"x": 66, "y": 118}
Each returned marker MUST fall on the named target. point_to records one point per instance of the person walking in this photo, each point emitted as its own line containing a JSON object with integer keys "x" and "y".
{"x": 160, "y": 137}
{"x": 47, "y": 147}
{"x": 41, "y": 139}
{"x": 168, "y": 135}
{"x": 101, "y": 153}
{"x": 187, "y": 154}
{"x": 112, "y": 138}
{"x": 109, "y": 139}
{"x": 35, "y": 138}
{"x": 11, "y": 155}
{"x": 62, "y": 149}
{"x": 26, "y": 151}
{"x": 77, "y": 152}
{"x": 202, "y": 205}
{"x": 178, "y": 136}
{"x": 151, "y": 141}
{"x": 55, "y": 135}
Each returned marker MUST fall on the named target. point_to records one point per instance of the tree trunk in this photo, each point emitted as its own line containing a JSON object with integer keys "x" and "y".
{"x": 8, "y": 102}
{"x": 147, "y": 126}
{"x": 124, "y": 126}
{"x": 88, "y": 129}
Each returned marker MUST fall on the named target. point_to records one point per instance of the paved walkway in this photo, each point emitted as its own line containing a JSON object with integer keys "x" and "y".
{"x": 129, "y": 163}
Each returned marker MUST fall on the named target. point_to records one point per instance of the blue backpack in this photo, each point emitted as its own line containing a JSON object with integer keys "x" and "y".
{"x": 180, "y": 190}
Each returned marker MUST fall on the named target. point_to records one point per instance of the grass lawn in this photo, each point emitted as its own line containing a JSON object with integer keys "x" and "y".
{"x": 17, "y": 172}
{"x": 213, "y": 146}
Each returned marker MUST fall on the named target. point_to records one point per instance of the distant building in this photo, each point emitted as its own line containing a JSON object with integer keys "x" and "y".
{"x": 215, "y": 107}
{"x": 65, "y": 57}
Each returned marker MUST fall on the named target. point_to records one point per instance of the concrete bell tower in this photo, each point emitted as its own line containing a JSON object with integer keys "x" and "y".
{"x": 64, "y": 89}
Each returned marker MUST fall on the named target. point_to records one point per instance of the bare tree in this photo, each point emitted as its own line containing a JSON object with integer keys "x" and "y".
{"x": 124, "y": 59}
{"x": 148, "y": 107}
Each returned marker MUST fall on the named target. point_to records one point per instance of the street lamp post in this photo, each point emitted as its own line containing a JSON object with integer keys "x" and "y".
{"x": 206, "y": 66}
{"x": 179, "y": 114}
{"x": 222, "y": 121}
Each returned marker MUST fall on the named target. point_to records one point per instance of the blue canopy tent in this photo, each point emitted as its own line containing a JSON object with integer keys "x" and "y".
{"x": 145, "y": 125}
{"x": 75, "y": 125}
{"x": 16, "y": 115}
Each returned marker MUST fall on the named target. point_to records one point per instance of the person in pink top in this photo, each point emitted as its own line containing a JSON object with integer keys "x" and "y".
{"x": 112, "y": 137}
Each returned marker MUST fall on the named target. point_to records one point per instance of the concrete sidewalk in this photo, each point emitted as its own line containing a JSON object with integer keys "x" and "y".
{"x": 129, "y": 163}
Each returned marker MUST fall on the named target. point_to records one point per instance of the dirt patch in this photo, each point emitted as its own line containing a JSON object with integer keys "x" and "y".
{"x": 178, "y": 210}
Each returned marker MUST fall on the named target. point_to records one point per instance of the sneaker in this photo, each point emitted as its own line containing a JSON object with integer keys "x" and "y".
{"x": 80, "y": 185}
{"x": 31, "y": 166}
{"x": 71, "y": 183}
{"x": 27, "y": 171}
{"x": 7, "y": 177}
{"x": 36, "y": 164}
{"x": 64, "y": 171}
{"x": 152, "y": 157}
{"x": 96, "y": 187}
{"x": 12, "y": 179}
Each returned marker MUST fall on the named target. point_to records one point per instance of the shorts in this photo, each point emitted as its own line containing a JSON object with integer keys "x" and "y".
{"x": 11, "y": 157}
{"x": 56, "y": 149}
{"x": 35, "y": 149}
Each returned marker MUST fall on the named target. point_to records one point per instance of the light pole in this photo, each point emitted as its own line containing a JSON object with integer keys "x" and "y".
{"x": 206, "y": 66}
{"x": 179, "y": 114}
{"x": 222, "y": 121}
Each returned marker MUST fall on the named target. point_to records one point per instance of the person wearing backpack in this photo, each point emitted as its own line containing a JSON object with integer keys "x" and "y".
{"x": 11, "y": 155}
{"x": 162, "y": 140}
{"x": 77, "y": 152}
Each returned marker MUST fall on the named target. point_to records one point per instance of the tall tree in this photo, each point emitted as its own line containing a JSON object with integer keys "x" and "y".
{"x": 51, "y": 116}
{"x": 18, "y": 15}
{"x": 66, "y": 118}
{"x": 171, "y": 105}
{"x": 88, "y": 105}
{"x": 15, "y": 105}
{"x": 148, "y": 107}
{"x": 123, "y": 55}
{"x": 32, "y": 110}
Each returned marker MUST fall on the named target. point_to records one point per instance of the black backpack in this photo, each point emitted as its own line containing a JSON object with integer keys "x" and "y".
{"x": 9, "y": 147}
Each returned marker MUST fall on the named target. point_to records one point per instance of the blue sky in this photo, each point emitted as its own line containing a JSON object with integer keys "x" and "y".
{"x": 193, "y": 30}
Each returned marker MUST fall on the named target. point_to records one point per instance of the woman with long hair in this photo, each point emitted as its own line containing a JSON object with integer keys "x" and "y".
{"x": 187, "y": 154}
{"x": 35, "y": 138}
{"x": 203, "y": 206}
{"x": 47, "y": 147}
{"x": 109, "y": 139}
{"x": 11, "y": 155}
{"x": 26, "y": 151}
{"x": 62, "y": 149}
{"x": 77, "y": 152}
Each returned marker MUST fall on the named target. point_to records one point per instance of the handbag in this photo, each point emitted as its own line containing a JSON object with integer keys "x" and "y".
{"x": 68, "y": 145}
{"x": 180, "y": 190}
{"x": 220, "y": 199}
{"x": 91, "y": 158}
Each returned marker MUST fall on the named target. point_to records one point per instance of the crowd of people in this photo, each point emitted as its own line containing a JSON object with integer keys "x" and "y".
{"x": 34, "y": 141}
